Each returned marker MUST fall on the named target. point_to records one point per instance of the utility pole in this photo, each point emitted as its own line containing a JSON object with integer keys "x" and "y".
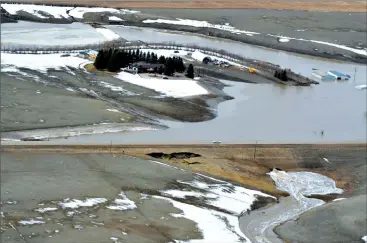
{"x": 255, "y": 150}
{"x": 355, "y": 72}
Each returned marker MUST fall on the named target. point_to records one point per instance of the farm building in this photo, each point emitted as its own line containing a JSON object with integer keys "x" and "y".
{"x": 144, "y": 67}
{"x": 339, "y": 76}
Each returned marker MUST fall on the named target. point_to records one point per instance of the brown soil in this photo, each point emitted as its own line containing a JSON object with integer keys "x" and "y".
{"x": 236, "y": 163}
{"x": 313, "y": 5}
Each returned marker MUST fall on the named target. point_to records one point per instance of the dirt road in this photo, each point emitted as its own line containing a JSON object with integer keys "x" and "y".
{"x": 314, "y": 5}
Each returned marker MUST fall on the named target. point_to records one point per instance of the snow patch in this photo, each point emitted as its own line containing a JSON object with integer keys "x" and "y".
{"x": 184, "y": 194}
{"x": 338, "y": 199}
{"x": 44, "y": 210}
{"x": 358, "y": 51}
{"x": 61, "y": 12}
{"x": 75, "y": 203}
{"x": 214, "y": 226}
{"x": 30, "y": 222}
{"x": 364, "y": 238}
{"x": 114, "y": 110}
{"x": 283, "y": 40}
{"x": 175, "y": 88}
{"x": 122, "y": 204}
{"x": 108, "y": 34}
{"x": 197, "y": 23}
{"x": 40, "y": 62}
{"x": 114, "y": 18}
{"x": 221, "y": 195}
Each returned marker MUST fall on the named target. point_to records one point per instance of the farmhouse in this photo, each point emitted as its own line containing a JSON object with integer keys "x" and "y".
{"x": 339, "y": 76}
{"x": 144, "y": 67}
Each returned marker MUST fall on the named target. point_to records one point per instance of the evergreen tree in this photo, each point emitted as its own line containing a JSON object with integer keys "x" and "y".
{"x": 190, "y": 71}
{"x": 160, "y": 70}
{"x": 154, "y": 58}
{"x": 149, "y": 57}
{"x": 141, "y": 56}
{"x": 98, "y": 63}
{"x": 144, "y": 57}
{"x": 113, "y": 63}
{"x": 162, "y": 60}
{"x": 169, "y": 67}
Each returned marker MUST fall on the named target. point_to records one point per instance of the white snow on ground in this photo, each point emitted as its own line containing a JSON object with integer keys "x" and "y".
{"x": 115, "y": 88}
{"x": 60, "y": 12}
{"x": 362, "y": 86}
{"x": 283, "y": 40}
{"x": 43, "y": 210}
{"x": 114, "y": 110}
{"x": 221, "y": 195}
{"x": 39, "y": 62}
{"x": 184, "y": 194}
{"x": 108, "y": 34}
{"x": 358, "y": 51}
{"x": 211, "y": 223}
{"x": 114, "y": 18}
{"x": 80, "y": 11}
{"x": 75, "y": 203}
{"x": 338, "y": 199}
{"x": 364, "y": 238}
{"x": 197, "y": 23}
{"x": 30, "y": 222}
{"x": 122, "y": 203}
{"x": 55, "y": 11}
{"x": 175, "y": 88}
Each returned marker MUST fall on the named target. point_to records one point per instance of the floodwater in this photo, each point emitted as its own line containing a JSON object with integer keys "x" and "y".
{"x": 29, "y": 34}
{"x": 267, "y": 113}
{"x": 263, "y": 112}
{"x": 298, "y": 63}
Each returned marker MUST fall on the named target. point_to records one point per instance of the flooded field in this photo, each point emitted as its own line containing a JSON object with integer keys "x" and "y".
{"x": 42, "y": 34}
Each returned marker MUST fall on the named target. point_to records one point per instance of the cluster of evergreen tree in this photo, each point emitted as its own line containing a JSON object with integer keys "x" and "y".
{"x": 281, "y": 74}
{"x": 115, "y": 59}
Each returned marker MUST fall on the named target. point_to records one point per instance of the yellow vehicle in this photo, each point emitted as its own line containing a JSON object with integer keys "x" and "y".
{"x": 251, "y": 70}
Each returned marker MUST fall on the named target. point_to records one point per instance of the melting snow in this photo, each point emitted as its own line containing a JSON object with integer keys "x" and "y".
{"x": 175, "y": 88}
{"x": 358, "y": 51}
{"x": 43, "y": 210}
{"x": 122, "y": 204}
{"x": 338, "y": 199}
{"x": 197, "y": 23}
{"x": 75, "y": 203}
{"x": 30, "y": 222}
{"x": 215, "y": 226}
{"x": 184, "y": 194}
{"x": 114, "y": 110}
{"x": 108, "y": 34}
{"x": 40, "y": 62}
{"x": 60, "y": 12}
{"x": 114, "y": 18}
{"x": 221, "y": 195}
{"x": 283, "y": 40}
